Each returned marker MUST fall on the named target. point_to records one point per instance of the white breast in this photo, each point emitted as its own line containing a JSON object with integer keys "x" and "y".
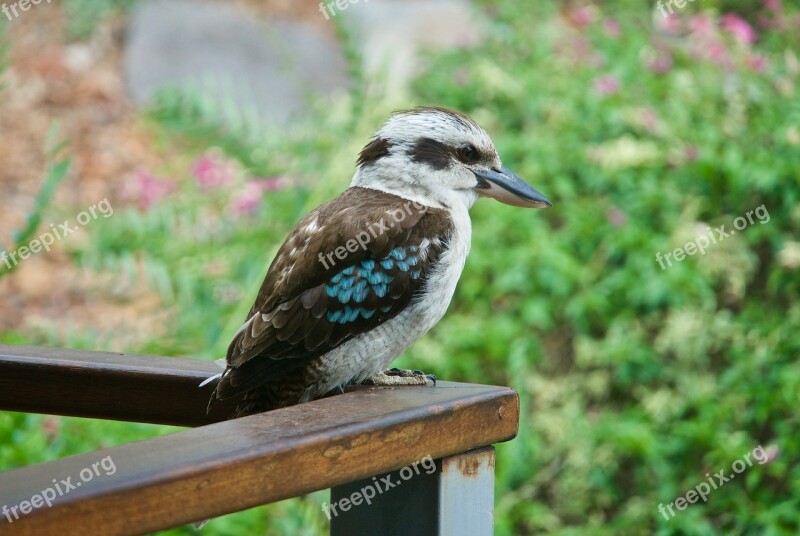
{"x": 372, "y": 352}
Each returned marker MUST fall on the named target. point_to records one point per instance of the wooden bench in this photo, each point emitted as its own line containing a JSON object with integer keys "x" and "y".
{"x": 223, "y": 466}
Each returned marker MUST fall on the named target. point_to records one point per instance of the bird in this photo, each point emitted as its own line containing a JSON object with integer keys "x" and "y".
{"x": 363, "y": 276}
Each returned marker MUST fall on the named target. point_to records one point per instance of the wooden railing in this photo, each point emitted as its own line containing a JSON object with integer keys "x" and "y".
{"x": 223, "y": 466}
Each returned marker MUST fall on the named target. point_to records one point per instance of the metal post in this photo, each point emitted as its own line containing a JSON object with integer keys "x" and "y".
{"x": 451, "y": 496}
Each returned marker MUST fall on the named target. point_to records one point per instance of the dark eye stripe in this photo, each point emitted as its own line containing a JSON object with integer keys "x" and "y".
{"x": 439, "y": 155}
{"x": 434, "y": 153}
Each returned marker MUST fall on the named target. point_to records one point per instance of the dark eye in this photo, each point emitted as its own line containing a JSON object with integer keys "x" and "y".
{"x": 468, "y": 154}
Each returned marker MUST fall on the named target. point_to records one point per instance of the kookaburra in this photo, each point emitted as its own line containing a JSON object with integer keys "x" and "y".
{"x": 365, "y": 275}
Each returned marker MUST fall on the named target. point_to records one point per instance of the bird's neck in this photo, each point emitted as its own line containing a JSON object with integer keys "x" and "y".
{"x": 420, "y": 191}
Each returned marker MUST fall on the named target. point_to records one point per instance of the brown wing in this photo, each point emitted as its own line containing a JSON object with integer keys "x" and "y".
{"x": 348, "y": 266}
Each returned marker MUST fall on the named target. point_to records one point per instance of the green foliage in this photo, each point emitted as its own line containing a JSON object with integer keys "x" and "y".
{"x": 201, "y": 118}
{"x": 634, "y": 380}
{"x": 58, "y": 167}
{"x": 4, "y": 46}
{"x": 83, "y": 16}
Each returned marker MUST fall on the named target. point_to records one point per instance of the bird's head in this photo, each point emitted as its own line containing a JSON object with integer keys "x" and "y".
{"x": 439, "y": 157}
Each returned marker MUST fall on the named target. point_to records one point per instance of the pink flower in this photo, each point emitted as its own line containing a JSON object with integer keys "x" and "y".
{"x": 773, "y": 5}
{"x": 648, "y": 119}
{"x": 270, "y": 184}
{"x": 51, "y": 426}
{"x": 757, "y": 63}
{"x": 670, "y": 24}
{"x": 579, "y": 49}
{"x": 606, "y": 85}
{"x": 772, "y": 451}
{"x": 739, "y": 28}
{"x": 718, "y": 53}
{"x": 701, "y": 25}
{"x": 581, "y": 17}
{"x": 146, "y": 189}
{"x": 691, "y": 153}
{"x": 616, "y": 217}
{"x": 248, "y": 199}
{"x": 611, "y": 28}
{"x": 212, "y": 170}
{"x": 660, "y": 63}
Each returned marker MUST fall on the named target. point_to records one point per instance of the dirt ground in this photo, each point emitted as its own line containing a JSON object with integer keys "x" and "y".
{"x": 79, "y": 85}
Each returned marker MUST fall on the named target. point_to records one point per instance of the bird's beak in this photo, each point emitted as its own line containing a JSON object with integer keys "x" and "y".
{"x": 506, "y": 187}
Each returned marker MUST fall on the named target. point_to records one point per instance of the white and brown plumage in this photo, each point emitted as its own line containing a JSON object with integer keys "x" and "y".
{"x": 365, "y": 275}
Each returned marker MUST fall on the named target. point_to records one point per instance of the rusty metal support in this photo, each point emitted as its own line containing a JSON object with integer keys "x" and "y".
{"x": 452, "y": 495}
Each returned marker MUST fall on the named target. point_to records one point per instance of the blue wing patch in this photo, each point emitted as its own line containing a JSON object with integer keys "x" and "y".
{"x": 353, "y": 285}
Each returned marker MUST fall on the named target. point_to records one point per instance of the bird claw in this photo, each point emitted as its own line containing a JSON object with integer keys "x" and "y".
{"x": 395, "y": 376}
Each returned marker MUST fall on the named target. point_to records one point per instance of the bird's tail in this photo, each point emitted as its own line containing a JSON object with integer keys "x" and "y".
{"x": 263, "y": 398}
{"x": 216, "y": 377}
{"x": 197, "y": 525}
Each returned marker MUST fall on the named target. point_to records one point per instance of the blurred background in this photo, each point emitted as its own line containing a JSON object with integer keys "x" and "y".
{"x": 210, "y": 128}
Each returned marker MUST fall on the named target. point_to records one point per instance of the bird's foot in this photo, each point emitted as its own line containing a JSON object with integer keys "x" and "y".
{"x": 394, "y": 377}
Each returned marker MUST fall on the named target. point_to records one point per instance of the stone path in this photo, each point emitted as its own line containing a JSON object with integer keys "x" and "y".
{"x": 275, "y": 67}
